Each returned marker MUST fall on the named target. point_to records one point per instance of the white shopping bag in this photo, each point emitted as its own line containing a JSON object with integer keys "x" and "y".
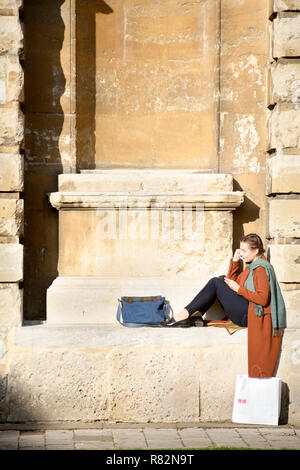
{"x": 257, "y": 401}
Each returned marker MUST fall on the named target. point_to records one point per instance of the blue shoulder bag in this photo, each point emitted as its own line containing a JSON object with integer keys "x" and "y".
{"x": 143, "y": 311}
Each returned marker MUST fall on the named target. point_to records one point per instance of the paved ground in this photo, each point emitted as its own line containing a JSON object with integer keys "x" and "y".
{"x": 150, "y": 437}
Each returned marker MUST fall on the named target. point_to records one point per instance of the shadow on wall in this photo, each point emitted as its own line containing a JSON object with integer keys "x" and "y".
{"x": 247, "y": 212}
{"x": 44, "y": 32}
{"x": 46, "y": 48}
{"x": 86, "y": 79}
{"x": 285, "y": 401}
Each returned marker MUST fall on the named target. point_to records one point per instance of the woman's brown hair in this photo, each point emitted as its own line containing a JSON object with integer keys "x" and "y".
{"x": 254, "y": 241}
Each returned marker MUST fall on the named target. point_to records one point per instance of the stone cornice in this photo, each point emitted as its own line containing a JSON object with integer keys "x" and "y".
{"x": 214, "y": 200}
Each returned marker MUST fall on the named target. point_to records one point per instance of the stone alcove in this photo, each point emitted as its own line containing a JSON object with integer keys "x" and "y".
{"x": 117, "y": 86}
{"x": 136, "y": 104}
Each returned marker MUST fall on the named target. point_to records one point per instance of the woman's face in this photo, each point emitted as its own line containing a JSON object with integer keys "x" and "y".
{"x": 248, "y": 255}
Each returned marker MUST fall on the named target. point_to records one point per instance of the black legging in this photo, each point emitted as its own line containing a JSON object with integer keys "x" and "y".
{"x": 235, "y": 306}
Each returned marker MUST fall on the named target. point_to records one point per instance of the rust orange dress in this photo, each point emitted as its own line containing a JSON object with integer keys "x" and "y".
{"x": 263, "y": 347}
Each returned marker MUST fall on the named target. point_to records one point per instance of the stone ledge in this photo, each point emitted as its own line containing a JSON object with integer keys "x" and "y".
{"x": 111, "y": 373}
{"x": 101, "y": 336}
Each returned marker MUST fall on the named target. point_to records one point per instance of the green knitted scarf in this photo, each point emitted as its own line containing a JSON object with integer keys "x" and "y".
{"x": 278, "y": 312}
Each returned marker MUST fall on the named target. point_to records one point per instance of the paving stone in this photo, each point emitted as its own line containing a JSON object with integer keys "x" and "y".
{"x": 32, "y": 441}
{"x": 254, "y": 439}
{"x": 58, "y": 435}
{"x": 225, "y": 437}
{"x": 129, "y": 439}
{"x": 9, "y": 440}
{"x": 93, "y": 439}
{"x": 195, "y": 437}
{"x": 163, "y": 439}
{"x": 59, "y": 439}
{"x": 285, "y": 444}
{"x": 60, "y": 447}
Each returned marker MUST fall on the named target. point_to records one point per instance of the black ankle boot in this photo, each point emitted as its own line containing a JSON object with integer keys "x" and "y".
{"x": 172, "y": 323}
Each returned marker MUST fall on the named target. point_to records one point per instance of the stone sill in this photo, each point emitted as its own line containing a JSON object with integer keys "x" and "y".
{"x": 101, "y": 336}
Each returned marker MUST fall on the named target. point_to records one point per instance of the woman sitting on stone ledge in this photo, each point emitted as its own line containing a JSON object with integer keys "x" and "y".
{"x": 251, "y": 298}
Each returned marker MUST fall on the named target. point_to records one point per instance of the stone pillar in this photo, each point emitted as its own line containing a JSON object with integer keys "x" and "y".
{"x": 138, "y": 232}
{"x": 11, "y": 173}
{"x": 283, "y": 181}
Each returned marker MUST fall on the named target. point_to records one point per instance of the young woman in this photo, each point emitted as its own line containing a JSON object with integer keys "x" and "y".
{"x": 251, "y": 298}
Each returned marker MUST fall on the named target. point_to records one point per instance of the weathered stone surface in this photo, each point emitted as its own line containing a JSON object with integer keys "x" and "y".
{"x": 284, "y": 218}
{"x": 11, "y": 79}
{"x": 120, "y": 374}
{"x": 243, "y": 151}
{"x": 11, "y": 125}
{"x": 285, "y": 84}
{"x": 238, "y": 37}
{"x": 181, "y": 253}
{"x": 281, "y": 5}
{"x": 11, "y": 217}
{"x": 10, "y": 4}
{"x": 286, "y": 35}
{"x": 289, "y": 371}
{"x": 124, "y": 374}
{"x": 283, "y": 174}
{"x": 11, "y": 172}
{"x": 55, "y": 389}
{"x": 286, "y": 262}
{"x": 10, "y": 305}
{"x": 292, "y": 302}
{"x": 145, "y": 181}
{"x": 284, "y": 127}
{"x": 11, "y": 35}
{"x": 244, "y": 52}
{"x": 48, "y": 138}
{"x": 11, "y": 262}
{"x": 165, "y": 372}
{"x": 156, "y": 82}
{"x": 220, "y": 409}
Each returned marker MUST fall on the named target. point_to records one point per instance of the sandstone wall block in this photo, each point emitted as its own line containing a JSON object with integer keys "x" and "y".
{"x": 46, "y": 384}
{"x": 292, "y": 302}
{"x": 11, "y": 301}
{"x": 286, "y": 35}
{"x": 286, "y": 262}
{"x": 11, "y": 172}
{"x": 11, "y": 79}
{"x": 131, "y": 372}
{"x": 284, "y": 128}
{"x": 282, "y": 5}
{"x": 10, "y": 4}
{"x": 11, "y": 217}
{"x": 11, "y": 125}
{"x": 11, "y": 262}
{"x": 285, "y": 81}
{"x": 284, "y": 218}
{"x": 11, "y": 35}
{"x": 283, "y": 174}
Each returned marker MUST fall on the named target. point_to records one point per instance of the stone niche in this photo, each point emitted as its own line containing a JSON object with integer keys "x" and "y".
{"x": 137, "y": 232}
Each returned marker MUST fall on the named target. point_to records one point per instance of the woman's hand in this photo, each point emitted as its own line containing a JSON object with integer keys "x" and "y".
{"x": 232, "y": 284}
{"x": 237, "y": 254}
